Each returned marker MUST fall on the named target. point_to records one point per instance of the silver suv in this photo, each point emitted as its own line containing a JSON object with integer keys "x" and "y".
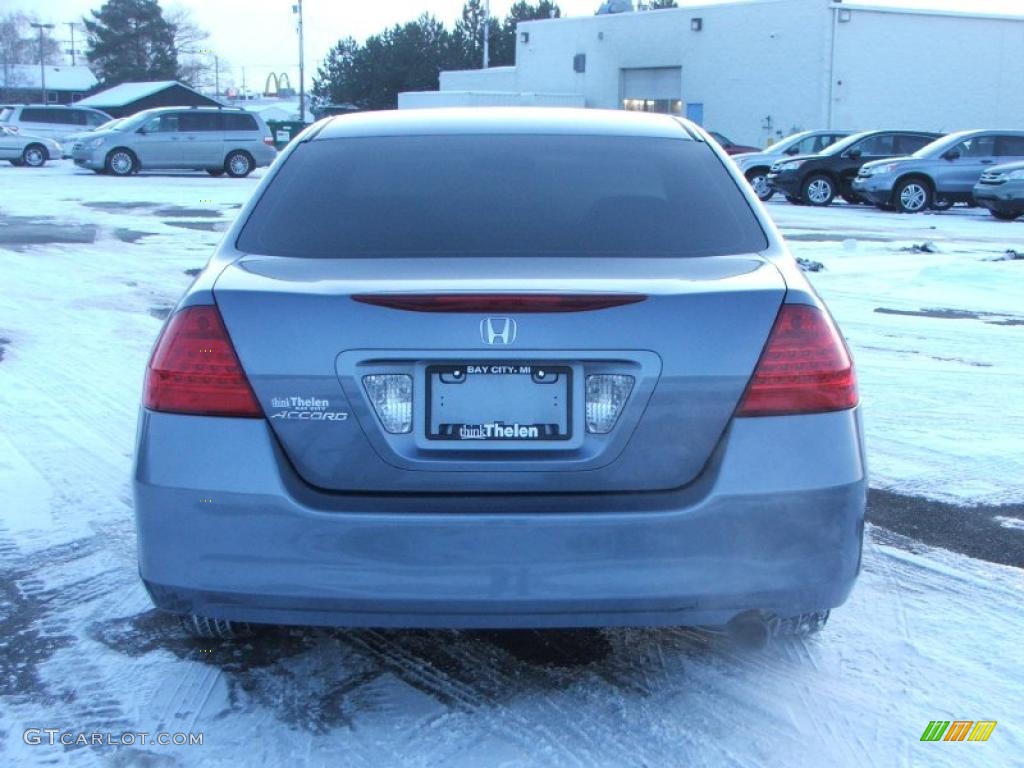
{"x": 217, "y": 140}
{"x": 939, "y": 174}
{"x": 755, "y": 165}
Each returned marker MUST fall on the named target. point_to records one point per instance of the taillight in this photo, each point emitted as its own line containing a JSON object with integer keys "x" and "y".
{"x": 804, "y": 368}
{"x": 194, "y": 369}
{"x": 498, "y": 302}
{"x": 268, "y": 141}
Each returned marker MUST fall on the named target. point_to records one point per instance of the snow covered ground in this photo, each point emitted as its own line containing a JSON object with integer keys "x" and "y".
{"x": 88, "y": 267}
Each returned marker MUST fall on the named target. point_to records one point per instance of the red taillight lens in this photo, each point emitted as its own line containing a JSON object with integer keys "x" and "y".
{"x": 194, "y": 369}
{"x": 804, "y": 368}
{"x": 498, "y": 302}
{"x": 268, "y": 141}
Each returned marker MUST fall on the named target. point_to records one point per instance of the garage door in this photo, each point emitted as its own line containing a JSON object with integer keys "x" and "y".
{"x": 652, "y": 89}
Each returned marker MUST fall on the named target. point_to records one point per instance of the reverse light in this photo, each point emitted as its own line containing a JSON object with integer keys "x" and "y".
{"x": 194, "y": 369}
{"x": 804, "y": 368}
{"x": 391, "y": 395}
{"x": 606, "y": 394}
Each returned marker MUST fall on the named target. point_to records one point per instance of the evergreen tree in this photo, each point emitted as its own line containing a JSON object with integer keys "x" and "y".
{"x": 130, "y": 40}
{"x": 410, "y": 57}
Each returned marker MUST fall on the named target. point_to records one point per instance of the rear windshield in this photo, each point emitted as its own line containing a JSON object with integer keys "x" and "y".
{"x": 491, "y": 195}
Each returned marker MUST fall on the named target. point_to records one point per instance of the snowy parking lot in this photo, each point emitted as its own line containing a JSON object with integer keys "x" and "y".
{"x": 933, "y": 309}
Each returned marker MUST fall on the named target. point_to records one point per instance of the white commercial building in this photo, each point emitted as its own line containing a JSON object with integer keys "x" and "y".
{"x": 755, "y": 70}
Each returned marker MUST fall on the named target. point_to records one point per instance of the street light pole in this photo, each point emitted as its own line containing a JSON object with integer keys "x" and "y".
{"x": 297, "y": 9}
{"x": 487, "y": 33}
{"x": 42, "y": 67}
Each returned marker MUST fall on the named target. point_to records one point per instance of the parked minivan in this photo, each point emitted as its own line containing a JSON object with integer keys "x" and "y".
{"x": 51, "y": 121}
{"x": 215, "y": 139}
{"x": 939, "y": 174}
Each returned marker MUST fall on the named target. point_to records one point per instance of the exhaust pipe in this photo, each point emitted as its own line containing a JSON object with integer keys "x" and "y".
{"x": 749, "y": 630}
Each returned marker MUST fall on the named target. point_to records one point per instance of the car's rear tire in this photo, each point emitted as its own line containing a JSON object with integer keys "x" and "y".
{"x": 121, "y": 162}
{"x": 205, "y": 628}
{"x": 239, "y": 164}
{"x": 35, "y": 156}
{"x": 818, "y": 190}
{"x": 215, "y": 171}
{"x": 912, "y": 195}
{"x": 758, "y": 178}
{"x": 1006, "y": 215}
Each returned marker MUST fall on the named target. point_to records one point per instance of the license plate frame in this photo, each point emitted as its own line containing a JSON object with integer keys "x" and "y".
{"x": 560, "y": 377}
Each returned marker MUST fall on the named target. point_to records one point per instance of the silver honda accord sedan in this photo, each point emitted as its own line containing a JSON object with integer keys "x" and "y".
{"x": 501, "y": 368}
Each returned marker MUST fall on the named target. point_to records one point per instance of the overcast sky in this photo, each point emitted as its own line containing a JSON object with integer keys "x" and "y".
{"x": 260, "y": 36}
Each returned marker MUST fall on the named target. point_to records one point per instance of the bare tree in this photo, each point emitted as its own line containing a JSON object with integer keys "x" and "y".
{"x": 199, "y": 63}
{"x": 19, "y": 44}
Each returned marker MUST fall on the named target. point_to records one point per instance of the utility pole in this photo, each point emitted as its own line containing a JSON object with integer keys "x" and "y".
{"x": 487, "y": 33}
{"x": 297, "y": 9}
{"x": 216, "y": 75}
{"x": 71, "y": 26}
{"x": 42, "y": 66}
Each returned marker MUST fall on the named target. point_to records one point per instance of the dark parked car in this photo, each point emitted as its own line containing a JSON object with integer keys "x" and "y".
{"x": 1001, "y": 190}
{"x": 817, "y": 179}
{"x": 730, "y": 146}
{"x": 755, "y": 165}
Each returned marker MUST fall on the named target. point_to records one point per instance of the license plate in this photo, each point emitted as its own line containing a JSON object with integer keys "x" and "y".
{"x": 508, "y": 402}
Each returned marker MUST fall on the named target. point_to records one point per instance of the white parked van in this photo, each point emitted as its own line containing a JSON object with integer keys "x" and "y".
{"x": 55, "y": 122}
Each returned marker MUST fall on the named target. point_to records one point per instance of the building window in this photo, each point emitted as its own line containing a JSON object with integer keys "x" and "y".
{"x": 579, "y": 63}
{"x": 663, "y": 106}
{"x": 52, "y": 97}
{"x": 696, "y": 24}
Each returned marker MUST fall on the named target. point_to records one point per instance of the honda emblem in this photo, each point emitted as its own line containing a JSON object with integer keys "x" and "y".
{"x": 498, "y": 330}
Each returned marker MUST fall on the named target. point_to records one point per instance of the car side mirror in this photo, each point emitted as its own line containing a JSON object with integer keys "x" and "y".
{"x": 852, "y": 154}
{"x": 142, "y": 130}
{"x": 793, "y": 151}
{"x": 951, "y": 154}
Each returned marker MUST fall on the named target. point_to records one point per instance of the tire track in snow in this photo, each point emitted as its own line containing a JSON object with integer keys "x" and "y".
{"x": 498, "y": 718}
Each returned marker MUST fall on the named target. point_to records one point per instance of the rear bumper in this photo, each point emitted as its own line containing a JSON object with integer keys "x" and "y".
{"x": 226, "y": 529}
{"x": 264, "y": 155}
